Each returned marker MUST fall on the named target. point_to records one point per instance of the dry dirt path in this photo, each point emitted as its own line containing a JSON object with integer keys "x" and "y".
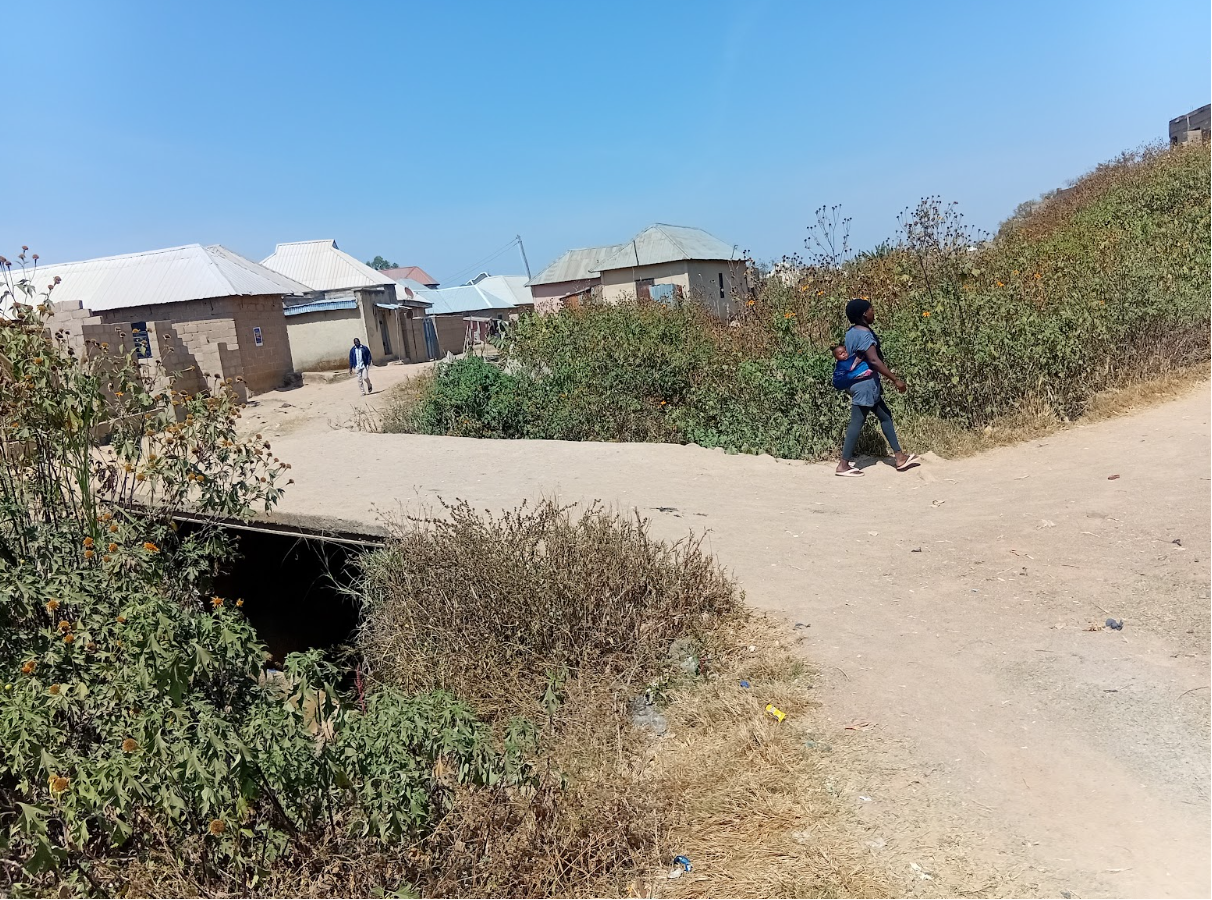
{"x": 1010, "y": 748}
{"x": 325, "y": 400}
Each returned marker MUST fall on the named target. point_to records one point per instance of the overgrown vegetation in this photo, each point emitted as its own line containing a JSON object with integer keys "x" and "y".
{"x": 559, "y": 618}
{"x": 1101, "y": 284}
{"x": 140, "y": 735}
{"x": 488, "y": 607}
{"x": 482, "y": 746}
{"x": 574, "y": 619}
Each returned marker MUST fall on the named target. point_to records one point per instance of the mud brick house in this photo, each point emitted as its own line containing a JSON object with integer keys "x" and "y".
{"x": 346, "y": 299}
{"x": 662, "y": 262}
{"x": 195, "y": 310}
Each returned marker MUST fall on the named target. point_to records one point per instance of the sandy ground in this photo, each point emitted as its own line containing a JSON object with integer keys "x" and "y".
{"x": 1008, "y": 742}
{"x": 325, "y": 401}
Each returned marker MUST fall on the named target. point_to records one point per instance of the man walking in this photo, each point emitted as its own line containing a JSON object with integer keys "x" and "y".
{"x": 359, "y": 361}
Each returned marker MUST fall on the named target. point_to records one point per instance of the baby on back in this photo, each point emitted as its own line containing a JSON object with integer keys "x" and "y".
{"x": 848, "y": 369}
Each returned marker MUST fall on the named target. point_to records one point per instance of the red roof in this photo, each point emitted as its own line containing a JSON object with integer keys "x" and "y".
{"x": 413, "y": 273}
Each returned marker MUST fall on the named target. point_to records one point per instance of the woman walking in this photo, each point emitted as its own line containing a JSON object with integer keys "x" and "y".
{"x": 867, "y": 395}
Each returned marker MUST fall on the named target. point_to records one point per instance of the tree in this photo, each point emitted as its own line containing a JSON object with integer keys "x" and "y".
{"x": 379, "y": 264}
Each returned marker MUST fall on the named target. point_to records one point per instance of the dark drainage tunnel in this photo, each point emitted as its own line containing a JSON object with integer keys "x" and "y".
{"x": 294, "y": 582}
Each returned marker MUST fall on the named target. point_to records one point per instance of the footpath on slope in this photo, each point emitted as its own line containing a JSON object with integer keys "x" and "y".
{"x": 1004, "y": 738}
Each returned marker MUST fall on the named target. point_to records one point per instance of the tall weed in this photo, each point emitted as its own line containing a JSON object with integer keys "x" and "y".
{"x": 1102, "y": 283}
{"x": 485, "y": 606}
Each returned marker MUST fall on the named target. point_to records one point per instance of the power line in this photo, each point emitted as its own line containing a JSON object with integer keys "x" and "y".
{"x": 457, "y": 279}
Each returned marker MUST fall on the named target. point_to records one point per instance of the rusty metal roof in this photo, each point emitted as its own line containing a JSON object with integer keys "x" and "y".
{"x": 411, "y": 273}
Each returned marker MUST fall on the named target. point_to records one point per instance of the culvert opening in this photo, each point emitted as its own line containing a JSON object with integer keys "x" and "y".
{"x": 295, "y": 583}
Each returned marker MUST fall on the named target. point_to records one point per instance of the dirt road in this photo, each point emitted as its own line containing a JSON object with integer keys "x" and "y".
{"x": 1010, "y": 748}
{"x": 326, "y": 400}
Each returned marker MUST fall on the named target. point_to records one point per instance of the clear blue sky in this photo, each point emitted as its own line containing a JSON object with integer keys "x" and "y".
{"x": 432, "y": 133}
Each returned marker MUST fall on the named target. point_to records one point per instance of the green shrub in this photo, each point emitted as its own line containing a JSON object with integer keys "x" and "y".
{"x": 1105, "y": 282}
{"x": 596, "y": 373}
{"x": 470, "y": 398}
{"x": 137, "y": 723}
{"x": 782, "y": 404}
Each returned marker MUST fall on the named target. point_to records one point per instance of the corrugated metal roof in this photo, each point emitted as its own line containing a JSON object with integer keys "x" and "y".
{"x": 667, "y": 243}
{"x": 298, "y": 309}
{"x": 411, "y": 273}
{"x": 404, "y": 285}
{"x": 322, "y": 266}
{"x": 172, "y": 275}
{"x": 409, "y": 293}
{"x": 508, "y": 287}
{"x": 576, "y": 265}
{"x": 464, "y": 299}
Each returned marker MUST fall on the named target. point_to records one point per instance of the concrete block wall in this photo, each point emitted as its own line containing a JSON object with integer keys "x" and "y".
{"x": 266, "y": 367}
{"x": 1192, "y": 128}
{"x": 191, "y": 340}
{"x": 198, "y": 326}
{"x": 71, "y": 321}
{"x": 452, "y": 332}
{"x": 190, "y": 351}
{"x": 186, "y": 354}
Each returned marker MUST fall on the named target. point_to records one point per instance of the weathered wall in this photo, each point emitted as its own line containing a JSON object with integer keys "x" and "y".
{"x": 265, "y": 367}
{"x": 697, "y": 278}
{"x": 1193, "y": 127}
{"x": 216, "y": 337}
{"x": 416, "y": 336}
{"x": 452, "y": 331}
{"x": 618, "y": 284}
{"x": 373, "y": 319}
{"x": 186, "y": 354}
{"x": 321, "y": 340}
{"x": 705, "y": 278}
{"x": 547, "y": 296}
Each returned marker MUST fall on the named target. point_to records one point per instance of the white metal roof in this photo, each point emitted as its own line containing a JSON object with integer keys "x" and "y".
{"x": 576, "y": 265}
{"x": 406, "y": 285}
{"x": 491, "y": 293}
{"x": 508, "y": 287}
{"x": 310, "y": 306}
{"x": 322, "y": 266}
{"x": 666, "y": 243}
{"x": 172, "y": 275}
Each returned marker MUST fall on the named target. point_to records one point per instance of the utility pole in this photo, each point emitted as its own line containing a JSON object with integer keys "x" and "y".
{"x": 525, "y": 261}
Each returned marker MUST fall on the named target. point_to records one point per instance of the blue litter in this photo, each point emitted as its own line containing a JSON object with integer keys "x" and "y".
{"x": 1115, "y": 625}
{"x": 744, "y": 683}
{"x": 684, "y": 862}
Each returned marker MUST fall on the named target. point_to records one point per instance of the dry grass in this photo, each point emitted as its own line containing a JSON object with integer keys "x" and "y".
{"x": 750, "y": 807}
{"x": 1033, "y": 419}
{"x": 737, "y": 792}
{"x": 492, "y": 608}
{"x": 1134, "y": 395}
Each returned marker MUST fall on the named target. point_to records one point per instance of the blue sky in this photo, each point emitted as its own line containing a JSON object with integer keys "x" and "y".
{"x": 432, "y": 133}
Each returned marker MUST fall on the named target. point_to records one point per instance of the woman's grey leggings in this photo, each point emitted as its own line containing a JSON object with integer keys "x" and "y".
{"x": 858, "y": 415}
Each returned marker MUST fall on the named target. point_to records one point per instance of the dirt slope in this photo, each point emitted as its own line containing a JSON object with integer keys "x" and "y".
{"x": 1010, "y": 748}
